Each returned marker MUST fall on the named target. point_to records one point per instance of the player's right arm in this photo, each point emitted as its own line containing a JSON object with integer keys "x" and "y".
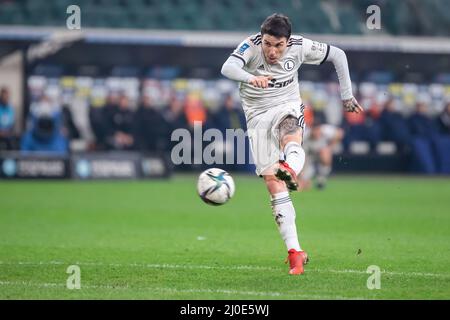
{"x": 233, "y": 68}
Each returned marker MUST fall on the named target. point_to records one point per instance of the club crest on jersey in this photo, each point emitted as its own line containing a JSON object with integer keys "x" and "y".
{"x": 243, "y": 48}
{"x": 289, "y": 65}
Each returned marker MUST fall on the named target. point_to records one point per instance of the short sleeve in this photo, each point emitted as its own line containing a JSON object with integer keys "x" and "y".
{"x": 244, "y": 51}
{"x": 314, "y": 52}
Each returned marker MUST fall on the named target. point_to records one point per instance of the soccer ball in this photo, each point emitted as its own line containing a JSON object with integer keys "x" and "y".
{"x": 215, "y": 186}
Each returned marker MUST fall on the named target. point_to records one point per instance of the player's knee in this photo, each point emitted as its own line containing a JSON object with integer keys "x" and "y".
{"x": 290, "y": 130}
{"x": 289, "y": 125}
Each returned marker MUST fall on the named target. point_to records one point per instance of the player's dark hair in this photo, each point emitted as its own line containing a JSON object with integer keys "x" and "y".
{"x": 277, "y": 25}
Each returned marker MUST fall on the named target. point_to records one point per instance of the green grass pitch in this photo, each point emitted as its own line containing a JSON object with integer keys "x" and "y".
{"x": 158, "y": 240}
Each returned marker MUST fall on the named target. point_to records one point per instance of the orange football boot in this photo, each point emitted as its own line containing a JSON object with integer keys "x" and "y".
{"x": 296, "y": 261}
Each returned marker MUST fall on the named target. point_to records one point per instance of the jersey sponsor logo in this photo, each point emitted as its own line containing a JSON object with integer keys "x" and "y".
{"x": 242, "y": 49}
{"x": 275, "y": 84}
{"x": 318, "y": 46}
{"x": 289, "y": 65}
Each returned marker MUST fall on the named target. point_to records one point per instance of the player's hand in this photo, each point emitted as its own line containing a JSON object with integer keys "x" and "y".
{"x": 351, "y": 105}
{"x": 260, "y": 81}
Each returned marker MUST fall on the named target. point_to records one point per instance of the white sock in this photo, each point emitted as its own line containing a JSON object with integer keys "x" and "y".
{"x": 284, "y": 214}
{"x": 295, "y": 156}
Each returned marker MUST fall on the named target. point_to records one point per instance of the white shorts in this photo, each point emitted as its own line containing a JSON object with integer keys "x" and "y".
{"x": 264, "y": 136}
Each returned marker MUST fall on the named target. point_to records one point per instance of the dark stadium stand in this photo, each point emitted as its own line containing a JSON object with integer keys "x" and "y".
{"x": 308, "y": 16}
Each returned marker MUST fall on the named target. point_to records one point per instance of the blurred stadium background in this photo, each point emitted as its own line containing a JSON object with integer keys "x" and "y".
{"x": 101, "y": 102}
{"x": 161, "y": 61}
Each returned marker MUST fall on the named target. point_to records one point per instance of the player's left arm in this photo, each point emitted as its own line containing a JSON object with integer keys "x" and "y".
{"x": 314, "y": 52}
{"x": 338, "y": 57}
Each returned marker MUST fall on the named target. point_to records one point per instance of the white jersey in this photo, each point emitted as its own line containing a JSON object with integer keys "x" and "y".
{"x": 283, "y": 88}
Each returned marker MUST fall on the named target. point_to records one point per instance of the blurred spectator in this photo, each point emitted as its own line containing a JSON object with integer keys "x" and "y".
{"x": 320, "y": 139}
{"x": 195, "y": 112}
{"x": 374, "y": 109}
{"x": 44, "y": 129}
{"x": 176, "y": 119}
{"x": 120, "y": 125}
{"x": 7, "y": 137}
{"x": 358, "y": 128}
{"x": 174, "y": 114}
{"x": 229, "y": 116}
{"x": 442, "y": 142}
{"x": 420, "y": 123}
{"x": 394, "y": 126}
{"x": 152, "y": 129}
{"x": 431, "y": 150}
{"x": 99, "y": 118}
{"x": 444, "y": 120}
{"x": 69, "y": 128}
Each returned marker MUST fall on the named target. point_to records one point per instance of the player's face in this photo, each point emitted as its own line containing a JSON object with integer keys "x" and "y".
{"x": 273, "y": 47}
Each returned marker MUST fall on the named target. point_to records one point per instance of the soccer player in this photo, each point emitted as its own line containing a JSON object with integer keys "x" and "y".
{"x": 266, "y": 66}
{"x": 320, "y": 140}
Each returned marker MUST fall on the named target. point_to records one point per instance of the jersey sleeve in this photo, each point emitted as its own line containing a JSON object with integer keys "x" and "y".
{"x": 244, "y": 51}
{"x": 314, "y": 52}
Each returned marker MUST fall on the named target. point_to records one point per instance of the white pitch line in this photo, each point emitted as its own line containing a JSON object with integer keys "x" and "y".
{"x": 174, "y": 290}
{"x": 140, "y": 265}
{"x": 236, "y": 267}
{"x": 392, "y": 273}
{"x": 56, "y": 285}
